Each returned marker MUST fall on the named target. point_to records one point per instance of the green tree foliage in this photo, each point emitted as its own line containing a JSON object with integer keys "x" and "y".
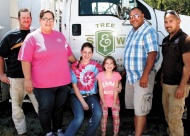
{"x": 180, "y": 6}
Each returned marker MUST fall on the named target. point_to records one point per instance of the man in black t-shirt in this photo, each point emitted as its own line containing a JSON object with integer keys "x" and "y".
{"x": 9, "y": 48}
{"x": 176, "y": 72}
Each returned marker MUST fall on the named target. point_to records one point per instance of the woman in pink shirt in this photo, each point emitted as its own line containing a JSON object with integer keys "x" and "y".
{"x": 108, "y": 82}
{"x": 45, "y": 55}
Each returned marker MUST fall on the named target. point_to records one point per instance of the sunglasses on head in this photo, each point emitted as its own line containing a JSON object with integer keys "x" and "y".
{"x": 136, "y": 16}
{"x": 171, "y": 12}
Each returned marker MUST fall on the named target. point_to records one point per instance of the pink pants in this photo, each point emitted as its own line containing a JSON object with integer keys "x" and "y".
{"x": 116, "y": 119}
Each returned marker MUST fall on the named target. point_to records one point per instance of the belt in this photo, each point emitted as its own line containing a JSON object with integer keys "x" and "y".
{"x": 86, "y": 95}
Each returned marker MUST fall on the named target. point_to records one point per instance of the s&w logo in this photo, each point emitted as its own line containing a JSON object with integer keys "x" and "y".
{"x": 105, "y": 42}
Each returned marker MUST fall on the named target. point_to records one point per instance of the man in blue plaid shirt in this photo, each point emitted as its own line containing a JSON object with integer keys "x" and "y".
{"x": 141, "y": 49}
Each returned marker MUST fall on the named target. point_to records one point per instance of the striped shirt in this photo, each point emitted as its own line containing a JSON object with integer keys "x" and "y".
{"x": 137, "y": 46}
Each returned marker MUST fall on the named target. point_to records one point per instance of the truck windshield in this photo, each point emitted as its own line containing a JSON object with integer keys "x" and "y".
{"x": 98, "y": 7}
{"x": 101, "y": 7}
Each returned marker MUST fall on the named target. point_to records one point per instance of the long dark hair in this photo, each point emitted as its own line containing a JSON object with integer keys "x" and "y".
{"x": 114, "y": 62}
{"x": 86, "y": 44}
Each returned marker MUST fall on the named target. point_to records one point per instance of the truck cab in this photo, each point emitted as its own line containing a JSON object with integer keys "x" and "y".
{"x": 105, "y": 24}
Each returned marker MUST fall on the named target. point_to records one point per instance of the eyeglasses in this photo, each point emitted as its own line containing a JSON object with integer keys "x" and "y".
{"x": 171, "y": 12}
{"x": 136, "y": 16}
{"x": 46, "y": 19}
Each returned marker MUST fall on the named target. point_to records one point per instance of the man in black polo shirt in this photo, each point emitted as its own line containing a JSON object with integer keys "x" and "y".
{"x": 176, "y": 72}
{"x": 9, "y": 48}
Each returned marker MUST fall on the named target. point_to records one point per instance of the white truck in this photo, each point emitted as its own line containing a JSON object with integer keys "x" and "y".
{"x": 104, "y": 23}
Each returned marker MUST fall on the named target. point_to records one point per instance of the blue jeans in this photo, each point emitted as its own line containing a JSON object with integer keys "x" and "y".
{"x": 94, "y": 105}
{"x": 50, "y": 101}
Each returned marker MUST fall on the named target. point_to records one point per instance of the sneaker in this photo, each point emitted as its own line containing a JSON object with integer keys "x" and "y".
{"x": 24, "y": 134}
{"x": 59, "y": 132}
{"x": 50, "y": 134}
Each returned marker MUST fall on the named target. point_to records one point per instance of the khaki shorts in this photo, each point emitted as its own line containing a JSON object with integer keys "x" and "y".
{"x": 138, "y": 98}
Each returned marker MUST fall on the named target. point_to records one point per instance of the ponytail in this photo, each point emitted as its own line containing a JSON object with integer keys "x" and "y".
{"x": 79, "y": 62}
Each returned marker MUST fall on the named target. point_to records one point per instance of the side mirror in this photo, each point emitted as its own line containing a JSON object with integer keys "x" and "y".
{"x": 119, "y": 11}
{"x": 125, "y": 4}
{"x": 122, "y": 12}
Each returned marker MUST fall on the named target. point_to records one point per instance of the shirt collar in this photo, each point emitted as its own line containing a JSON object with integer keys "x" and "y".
{"x": 175, "y": 36}
{"x": 140, "y": 28}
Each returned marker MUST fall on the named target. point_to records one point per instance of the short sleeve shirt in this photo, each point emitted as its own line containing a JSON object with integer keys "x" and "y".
{"x": 108, "y": 85}
{"x": 138, "y": 44}
{"x": 172, "y": 50}
{"x": 48, "y": 55}
{"x": 9, "y": 48}
{"x": 85, "y": 76}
